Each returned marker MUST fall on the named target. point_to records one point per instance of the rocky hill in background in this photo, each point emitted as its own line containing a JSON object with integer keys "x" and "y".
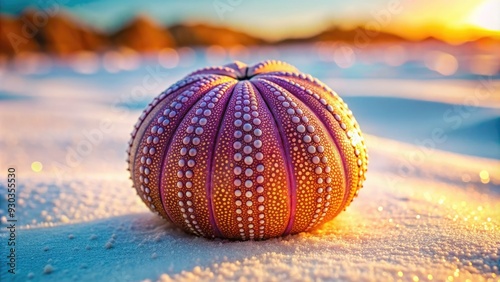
{"x": 62, "y": 34}
{"x": 202, "y": 35}
{"x": 357, "y": 36}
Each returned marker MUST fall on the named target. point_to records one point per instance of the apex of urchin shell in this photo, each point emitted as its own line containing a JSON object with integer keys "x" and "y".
{"x": 240, "y": 68}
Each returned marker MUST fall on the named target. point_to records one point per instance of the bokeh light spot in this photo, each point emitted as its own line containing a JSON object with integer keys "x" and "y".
{"x": 485, "y": 176}
{"x": 36, "y": 166}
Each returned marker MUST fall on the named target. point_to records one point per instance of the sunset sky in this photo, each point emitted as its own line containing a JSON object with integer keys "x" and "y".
{"x": 447, "y": 19}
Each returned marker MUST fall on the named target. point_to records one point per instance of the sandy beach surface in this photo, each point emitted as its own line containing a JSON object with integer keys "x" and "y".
{"x": 430, "y": 209}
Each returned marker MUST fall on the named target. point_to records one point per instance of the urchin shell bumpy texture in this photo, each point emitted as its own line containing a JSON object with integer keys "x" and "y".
{"x": 245, "y": 152}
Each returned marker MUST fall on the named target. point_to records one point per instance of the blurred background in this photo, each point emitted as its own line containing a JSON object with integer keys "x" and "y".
{"x": 407, "y": 69}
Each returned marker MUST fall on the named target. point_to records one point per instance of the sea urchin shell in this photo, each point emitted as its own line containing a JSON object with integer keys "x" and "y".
{"x": 247, "y": 152}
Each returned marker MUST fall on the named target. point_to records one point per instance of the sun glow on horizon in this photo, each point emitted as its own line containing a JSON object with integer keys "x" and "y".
{"x": 485, "y": 15}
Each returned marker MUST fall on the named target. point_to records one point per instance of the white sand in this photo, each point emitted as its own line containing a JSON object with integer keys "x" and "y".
{"x": 428, "y": 218}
